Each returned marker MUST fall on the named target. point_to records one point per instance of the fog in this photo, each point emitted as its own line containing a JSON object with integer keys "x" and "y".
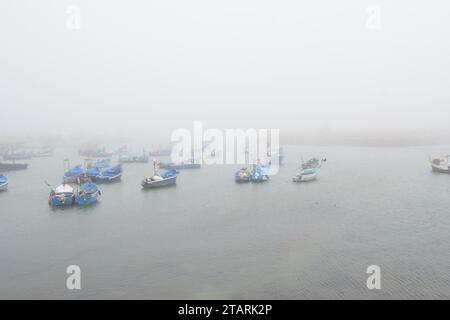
{"x": 144, "y": 68}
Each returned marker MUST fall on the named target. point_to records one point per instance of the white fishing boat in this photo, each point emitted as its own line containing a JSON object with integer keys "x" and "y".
{"x": 308, "y": 174}
{"x": 440, "y": 165}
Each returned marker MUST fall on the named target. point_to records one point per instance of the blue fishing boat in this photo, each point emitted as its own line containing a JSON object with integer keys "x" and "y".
{"x": 260, "y": 173}
{"x": 180, "y": 165}
{"x": 158, "y": 180}
{"x": 102, "y": 164}
{"x": 87, "y": 194}
{"x": 3, "y": 182}
{"x": 74, "y": 175}
{"x": 242, "y": 175}
{"x": 108, "y": 175}
{"x": 92, "y": 173}
{"x": 62, "y": 196}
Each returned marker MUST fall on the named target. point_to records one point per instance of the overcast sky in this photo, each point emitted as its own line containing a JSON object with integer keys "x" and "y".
{"x": 153, "y": 66}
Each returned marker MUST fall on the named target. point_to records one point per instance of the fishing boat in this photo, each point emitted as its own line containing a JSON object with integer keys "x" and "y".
{"x": 62, "y": 196}
{"x": 88, "y": 193}
{"x": 308, "y": 174}
{"x": 43, "y": 153}
{"x": 242, "y": 175}
{"x": 158, "y": 180}
{"x": 22, "y": 155}
{"x": 440, "y": 165}
{"x": 160, "y": 152}
{"x": 108, "y": 175}
{"x": 102, "y": 164}
{"x": 3, "y": 182}
{"x": 74, "y": 175}
{"x": 95, "y": 152}
{"x": 260, "y": 173}
{"x": 12, "y": 166}
{"x": 180, "y": 165}
{"x": 143, "y": 158}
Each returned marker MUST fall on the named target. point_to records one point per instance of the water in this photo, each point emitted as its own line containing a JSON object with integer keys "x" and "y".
{"x": 208, "y": 237}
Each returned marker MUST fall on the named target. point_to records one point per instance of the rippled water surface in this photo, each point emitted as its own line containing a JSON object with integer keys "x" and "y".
{"x": 208, "y": 237}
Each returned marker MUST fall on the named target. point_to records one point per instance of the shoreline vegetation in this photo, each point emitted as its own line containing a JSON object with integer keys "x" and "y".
{"x": 318, "y": 138}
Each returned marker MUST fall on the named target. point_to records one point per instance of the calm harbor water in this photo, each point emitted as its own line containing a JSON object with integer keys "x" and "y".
{"x": 209, "y": 238}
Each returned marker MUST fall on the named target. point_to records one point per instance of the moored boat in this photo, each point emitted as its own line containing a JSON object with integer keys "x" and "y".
{"x": 308, "y": 173}
{"x": 440, "y": 165}
{"x": 260, "y": 173}
{"x": 143, "y": 158}
{"x": 88, "y": 193}
{"x": 160, "y": 152}
{"x": 22, "y": 155}
{"x": 62, "y": 196}
{"x": 242, "y": 175}
{"x": 180, "y": 165}
{"x": 12, "y": 166}
{"x": 158, "y": 180}
{"x": 43, "y": 153}
{"x": 102, "y": 164}
{"x": 108, "y": 175}
{"x": 3, "y": 182}
{"x": 74, "y": 175}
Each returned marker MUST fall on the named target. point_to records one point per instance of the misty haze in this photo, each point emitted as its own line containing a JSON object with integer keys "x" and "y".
{"x": 352, "y": 181}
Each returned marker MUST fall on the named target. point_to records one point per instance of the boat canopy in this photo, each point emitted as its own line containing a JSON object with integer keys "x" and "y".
{"x": 64, "y": 188}
{"x": 113, "y": 170}
{"x": 169, "y": 174}
{"x": 89, "y": 187}
{"x": 76, "y": 171}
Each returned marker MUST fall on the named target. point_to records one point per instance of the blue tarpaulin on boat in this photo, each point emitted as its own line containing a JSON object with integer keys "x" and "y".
{"x": 169, "y": 174}
{"x": 76, "y": 171}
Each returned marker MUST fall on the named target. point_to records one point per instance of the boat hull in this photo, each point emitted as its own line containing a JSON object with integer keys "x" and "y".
{"x": 66, "y": 201}
{"x": 86, "y": 200}
{"x": 4, "y": 186}
{"x": 440, "y": 169}
{"x": 13, "y": 166}
{"x": 159, "y": 183}
{"x": 107, "y": 179}
{"x": 306, "y": 177}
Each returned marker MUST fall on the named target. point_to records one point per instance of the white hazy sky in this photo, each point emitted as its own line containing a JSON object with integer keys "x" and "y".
{"x": 152, "y": 66}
